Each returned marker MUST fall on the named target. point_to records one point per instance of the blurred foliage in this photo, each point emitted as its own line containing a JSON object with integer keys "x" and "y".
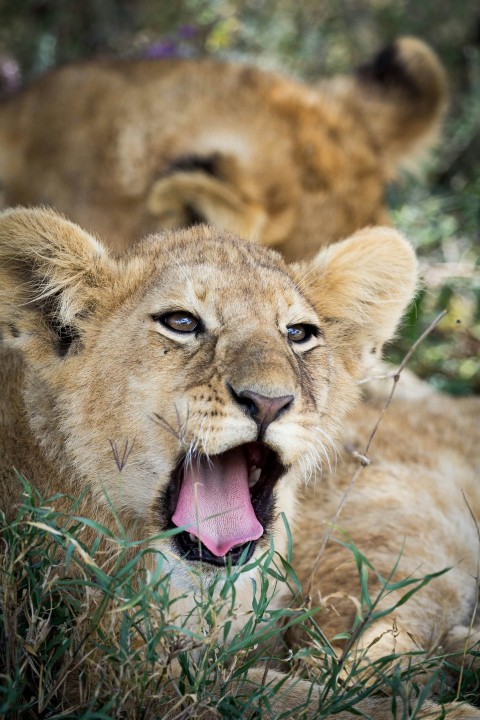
{"x": 313, "y": 38}
{"x": 444, "y": 228}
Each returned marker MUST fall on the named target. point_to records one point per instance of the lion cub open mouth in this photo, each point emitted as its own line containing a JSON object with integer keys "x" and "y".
{"x": 226, "y": 502}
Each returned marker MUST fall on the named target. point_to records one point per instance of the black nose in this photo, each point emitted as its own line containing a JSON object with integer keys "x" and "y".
{"x": 264, "y": 410}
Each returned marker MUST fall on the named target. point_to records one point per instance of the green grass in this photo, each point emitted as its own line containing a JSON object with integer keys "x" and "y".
{"x": 78, "y": 640}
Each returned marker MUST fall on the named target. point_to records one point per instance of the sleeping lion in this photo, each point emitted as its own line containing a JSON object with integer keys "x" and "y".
{"x": 235, "y": 378}
{"x": 127, "y": 148}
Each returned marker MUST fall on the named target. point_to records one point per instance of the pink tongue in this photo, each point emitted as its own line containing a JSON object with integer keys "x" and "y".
{"x": 214, "y": 502}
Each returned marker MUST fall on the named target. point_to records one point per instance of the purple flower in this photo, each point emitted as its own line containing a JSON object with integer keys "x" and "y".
{"x": 188, "y": 32}
{"x": 162, "y": 49}
{"x": 10, "y": 74}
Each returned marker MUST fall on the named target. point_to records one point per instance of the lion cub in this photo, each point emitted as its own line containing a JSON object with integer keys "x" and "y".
{"x": 126, "y": 148}
{"x": 232, "y": 374}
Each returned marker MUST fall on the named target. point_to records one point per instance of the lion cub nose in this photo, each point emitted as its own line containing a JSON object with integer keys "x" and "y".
{"x": 264, "y": 410}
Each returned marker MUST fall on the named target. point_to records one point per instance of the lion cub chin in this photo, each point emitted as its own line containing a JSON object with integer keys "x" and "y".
{"x": 222, "y": 378}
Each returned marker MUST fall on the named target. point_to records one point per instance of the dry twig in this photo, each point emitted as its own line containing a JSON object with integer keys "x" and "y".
{"x": 363, "y": 457}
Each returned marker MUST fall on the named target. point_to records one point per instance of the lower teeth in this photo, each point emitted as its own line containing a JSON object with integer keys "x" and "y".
{"x": 254, "y": 476}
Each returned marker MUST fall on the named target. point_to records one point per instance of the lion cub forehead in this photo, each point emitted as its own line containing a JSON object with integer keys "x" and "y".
{"x": 207, "y": 284}
{"x": 213, "y": 270}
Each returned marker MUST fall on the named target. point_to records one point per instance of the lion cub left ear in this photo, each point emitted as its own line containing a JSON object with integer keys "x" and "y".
{"x": 360, "y": 288}
{"x": 51, "y": 274}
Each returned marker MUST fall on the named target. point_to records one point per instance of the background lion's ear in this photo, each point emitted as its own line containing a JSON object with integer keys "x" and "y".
{"x": 361, "y": 287}
{"x": 50, "y": 273}
{"x": 402, "y": 96}
{"x": 192, "y": 197}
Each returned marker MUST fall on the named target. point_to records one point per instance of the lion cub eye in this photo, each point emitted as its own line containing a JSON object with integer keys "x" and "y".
{"x": 180, "y": 321}
{"x": 301, "y": 333}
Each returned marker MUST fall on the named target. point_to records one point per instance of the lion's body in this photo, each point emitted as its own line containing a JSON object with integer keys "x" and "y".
{"x": 127, "y": 148}
{"x": 100, "y": 388}
{"x": 417, "y": 503}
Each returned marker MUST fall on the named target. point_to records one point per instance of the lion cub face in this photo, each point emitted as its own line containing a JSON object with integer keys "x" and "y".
{"x": 195, "y": 383}
{"x": 229, "y": 375}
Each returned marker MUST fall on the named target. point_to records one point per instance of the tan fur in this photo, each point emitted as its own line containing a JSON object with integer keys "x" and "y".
{"x": 124, "y": 376}
{"x": 127, "y": 148}
{"x": 418, "y": 502}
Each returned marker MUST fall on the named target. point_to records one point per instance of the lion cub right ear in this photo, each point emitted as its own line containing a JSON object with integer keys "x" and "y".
{"x": 52, "y": 274}
{"x": 360, "y": 288}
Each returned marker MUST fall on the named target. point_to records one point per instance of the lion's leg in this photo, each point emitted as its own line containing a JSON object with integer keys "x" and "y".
{"x": 176, "y": 196}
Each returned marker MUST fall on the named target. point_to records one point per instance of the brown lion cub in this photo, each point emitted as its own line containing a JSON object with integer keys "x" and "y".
{"x": 126, "y": 148}
{"x": 256, "y": 363}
